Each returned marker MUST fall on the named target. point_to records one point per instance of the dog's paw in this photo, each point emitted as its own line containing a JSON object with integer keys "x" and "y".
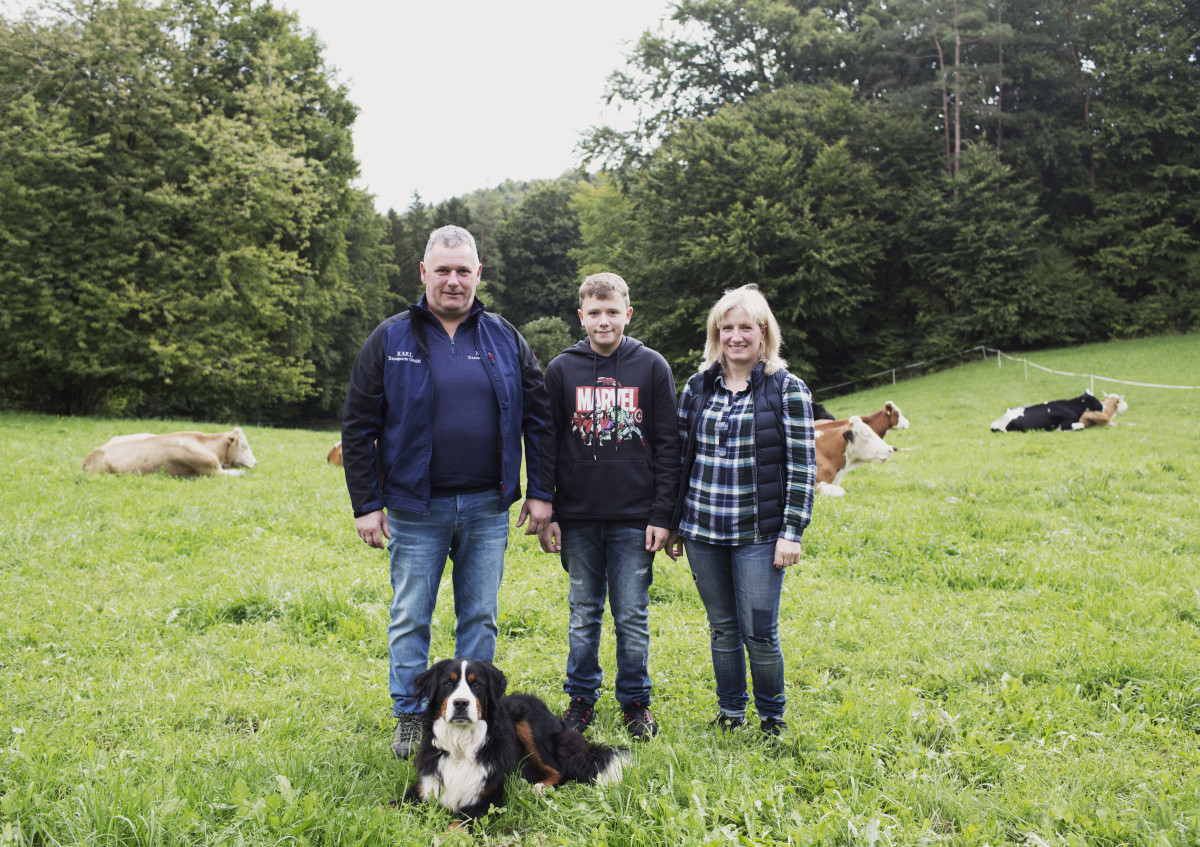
{"x": 541, "y": 788}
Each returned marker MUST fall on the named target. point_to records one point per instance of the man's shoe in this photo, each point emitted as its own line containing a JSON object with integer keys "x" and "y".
{"x": 727, "y": 723}
{"x": 578, "y": 715}
{"x": 638, "y": 720}
{"x": 408, "y": 734}
{"x": 773, "y": 726}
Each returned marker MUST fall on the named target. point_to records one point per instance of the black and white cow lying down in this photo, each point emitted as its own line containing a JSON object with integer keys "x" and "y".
{"x": 1061, "y": 415}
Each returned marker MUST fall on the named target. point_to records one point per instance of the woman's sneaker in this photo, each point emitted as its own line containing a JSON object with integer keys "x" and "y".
{"x": 578, "y": 715}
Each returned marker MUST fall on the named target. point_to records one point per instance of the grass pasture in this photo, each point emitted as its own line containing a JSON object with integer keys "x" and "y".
{"x": 991, "y": 640}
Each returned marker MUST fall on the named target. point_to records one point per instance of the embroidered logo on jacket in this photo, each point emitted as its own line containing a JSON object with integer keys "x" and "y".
{"x": 405, "y": 356}
{"x": 607, "y": 411}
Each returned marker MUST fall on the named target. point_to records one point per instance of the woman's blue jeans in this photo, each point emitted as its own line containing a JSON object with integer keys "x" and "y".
{"x": 472, "y": 530}
{"x": 608, "y": 559}
{"x": 741, "y": 587}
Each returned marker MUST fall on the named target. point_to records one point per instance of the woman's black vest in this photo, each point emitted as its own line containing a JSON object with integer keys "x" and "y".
{"x": 770, "y": 450}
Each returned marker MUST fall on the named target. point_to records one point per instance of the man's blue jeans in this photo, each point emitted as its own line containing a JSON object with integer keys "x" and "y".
{"x": 608, "y": 559}
{"x": 472, "y": 530}
{"x": 741, "y": 587}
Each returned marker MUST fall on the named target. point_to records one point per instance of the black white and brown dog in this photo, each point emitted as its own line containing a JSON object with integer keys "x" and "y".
{"x": 473, "y": 735}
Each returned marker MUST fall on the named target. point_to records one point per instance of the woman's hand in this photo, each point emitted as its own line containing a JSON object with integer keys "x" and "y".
{"x": 786, "y": 553}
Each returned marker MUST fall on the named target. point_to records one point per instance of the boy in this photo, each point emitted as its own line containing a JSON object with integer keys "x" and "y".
{"x": 612, "y": 400}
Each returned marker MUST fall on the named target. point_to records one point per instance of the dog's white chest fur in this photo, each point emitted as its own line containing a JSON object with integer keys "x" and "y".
{"x": 460, "y": 777}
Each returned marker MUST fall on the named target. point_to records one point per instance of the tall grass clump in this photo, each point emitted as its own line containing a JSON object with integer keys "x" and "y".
{"x": 991, "y": 640}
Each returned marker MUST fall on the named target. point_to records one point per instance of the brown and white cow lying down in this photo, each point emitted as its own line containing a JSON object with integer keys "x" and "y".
{"x": 889, "y": 417}
{"x": 182, "y": 454}
{"x": 334, "y": 456}
{"x": 842, "y": 447}
{"x": 1112, "y": 404}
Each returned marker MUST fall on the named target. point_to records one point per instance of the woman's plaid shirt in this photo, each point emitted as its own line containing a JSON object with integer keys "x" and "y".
{"x": 719, "y": 507}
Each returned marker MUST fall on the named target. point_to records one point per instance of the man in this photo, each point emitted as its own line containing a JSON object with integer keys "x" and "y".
{"x": 438, "y": 401}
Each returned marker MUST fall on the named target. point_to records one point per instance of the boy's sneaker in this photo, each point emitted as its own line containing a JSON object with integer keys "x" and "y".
{"x": 727, "y": 723}
{"x": 578, "y": 715}
{"x": 638, "y": 720}
{"x": 408, "y": 734}
{"x": 773, "y": 726}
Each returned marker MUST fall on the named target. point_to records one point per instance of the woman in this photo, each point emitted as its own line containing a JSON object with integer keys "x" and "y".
{"x": 745, "y": 498}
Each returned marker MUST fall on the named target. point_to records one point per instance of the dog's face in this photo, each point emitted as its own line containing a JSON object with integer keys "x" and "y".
{"x": 461, "y": 691}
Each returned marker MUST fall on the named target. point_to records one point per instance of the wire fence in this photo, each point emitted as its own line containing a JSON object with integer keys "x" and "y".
{"x": 986, "y": 352}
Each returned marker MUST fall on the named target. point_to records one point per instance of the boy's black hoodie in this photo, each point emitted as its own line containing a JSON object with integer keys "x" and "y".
{"x": 618, "y": 439}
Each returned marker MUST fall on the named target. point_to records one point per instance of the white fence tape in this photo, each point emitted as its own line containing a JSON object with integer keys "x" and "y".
{"x": 1093, "y": 377}
{"x": 1000, "y": 355}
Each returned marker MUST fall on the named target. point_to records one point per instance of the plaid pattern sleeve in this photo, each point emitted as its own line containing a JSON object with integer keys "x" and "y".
{"x": 801, "y": 457}
{"x": 719, "y": 507}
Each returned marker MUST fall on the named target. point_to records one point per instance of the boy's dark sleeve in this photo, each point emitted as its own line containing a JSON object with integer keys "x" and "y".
{"x": 664, "y": 437}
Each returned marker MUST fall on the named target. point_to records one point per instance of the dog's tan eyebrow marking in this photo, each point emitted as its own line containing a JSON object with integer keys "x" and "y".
{"x": 470, "y": 677}
{"x": 453, "y": 676}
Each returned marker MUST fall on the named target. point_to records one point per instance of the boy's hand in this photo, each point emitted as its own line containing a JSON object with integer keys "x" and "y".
{"x": 656, "y": 538}
{"x": 551, "y": 538}
{"x": 674, "y": 546}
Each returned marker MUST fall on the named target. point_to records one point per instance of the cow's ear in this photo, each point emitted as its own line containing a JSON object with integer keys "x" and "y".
{"x": 849, "y": 435}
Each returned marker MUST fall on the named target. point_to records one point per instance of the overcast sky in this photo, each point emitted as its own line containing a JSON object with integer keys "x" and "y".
{"x": 455, "y": 97}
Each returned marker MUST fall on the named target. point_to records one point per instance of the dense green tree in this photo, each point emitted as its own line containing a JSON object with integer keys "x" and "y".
{"x": 548, "y": 337}
{"x": 780, "y": 192}
{"x": 611, "y": 239}
{"x": 407, "y": 235}
{"x": 1142, "y": 241}
{"x": 972, "y": 248}
{"x": 535, "y": 244}
{"x": 368, "y": 298}
{"x": 192, "y": 207}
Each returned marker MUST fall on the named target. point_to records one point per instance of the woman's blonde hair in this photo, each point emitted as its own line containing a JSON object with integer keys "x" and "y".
{"x": 751, "y": 301}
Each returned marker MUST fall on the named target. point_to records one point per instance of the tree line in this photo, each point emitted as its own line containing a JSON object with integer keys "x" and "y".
{"x": 179, "y": 233}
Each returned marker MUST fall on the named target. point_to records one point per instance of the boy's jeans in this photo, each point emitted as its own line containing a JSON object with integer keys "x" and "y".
{"x": 469, "y": 528}
{"x": 608, "y": 559}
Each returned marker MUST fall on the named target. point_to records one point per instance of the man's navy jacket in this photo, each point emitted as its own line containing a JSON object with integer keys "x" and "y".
{"x": 387, "y": 421}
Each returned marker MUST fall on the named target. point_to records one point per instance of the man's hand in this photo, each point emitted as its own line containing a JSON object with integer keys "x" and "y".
{"x": 551, "y": 538}
{"x": 656, "y": 538}
{"x": 674, "y": 546}
{"x": 786, "y": 552}
{"x": 373, "y": 529}
{"x": 538, "y": 512}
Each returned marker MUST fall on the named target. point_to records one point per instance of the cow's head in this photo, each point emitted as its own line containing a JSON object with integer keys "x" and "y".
{"x": 863, "y": 445}
{"x": 1117, "y": 400}
{"x": 238, "y": 454}
{"x": 895, "y": 415}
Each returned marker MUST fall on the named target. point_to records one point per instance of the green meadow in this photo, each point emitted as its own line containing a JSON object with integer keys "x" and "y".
{"x": 991, "y": 640}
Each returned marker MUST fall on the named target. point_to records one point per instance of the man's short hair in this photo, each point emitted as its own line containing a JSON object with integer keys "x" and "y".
{"x": 450, "y": 236}
{"x": 604, "y": 286}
